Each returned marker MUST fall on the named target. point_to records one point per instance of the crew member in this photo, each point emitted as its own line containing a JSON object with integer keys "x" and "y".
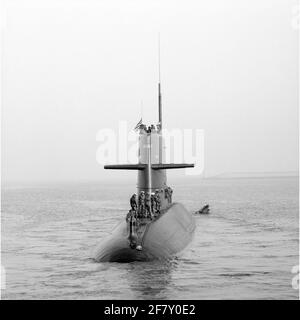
{"x": 148, "y": 205}
{"x": 131, "y": 213}
{"x": 167, "y": 194}
{"x": 171, "y": 194}
{"x": 143, "y": 127}
{"x": 133, "y": 203}
{"x": 152, "y": 202}
{"x": 157, "y": 201}
{"x": 142, "y": 203}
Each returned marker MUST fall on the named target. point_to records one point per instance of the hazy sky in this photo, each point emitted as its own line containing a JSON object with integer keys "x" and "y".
{"x": 73, "y": 67}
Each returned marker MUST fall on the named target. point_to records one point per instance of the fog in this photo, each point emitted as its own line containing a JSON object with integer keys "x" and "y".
{"x": 71, "y": 68}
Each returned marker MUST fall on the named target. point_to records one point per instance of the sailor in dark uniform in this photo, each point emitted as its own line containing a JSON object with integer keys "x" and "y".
{"x": 170, "y": 192}
{"x": 133, "y": 202}
{"x": 157, "y": 201}
{"x": 131, "y": 213}
{"x": 152, "y": 203}
{"x": 148, "y": 205}
{"x": 167, "y": 194}
{"x": 142, "y": 204}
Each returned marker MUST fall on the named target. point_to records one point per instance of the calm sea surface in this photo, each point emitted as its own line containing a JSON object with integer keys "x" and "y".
{"x": 245, "y": 249}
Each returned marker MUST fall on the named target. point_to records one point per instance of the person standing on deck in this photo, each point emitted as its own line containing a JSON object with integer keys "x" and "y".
{"x": 152, "y": 203}
{"x": 131, "y": 213}
{"x": 148, "y": 205}
{"x": 157, "y": 201}
{"x": 142, "y": 204}
{"x": 167, "y": 194}
{"x": 171, "y": 194}
{"x": 133, "y": 202}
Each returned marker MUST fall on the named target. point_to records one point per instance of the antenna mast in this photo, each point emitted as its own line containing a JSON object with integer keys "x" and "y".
{"x": 159, "y": 89}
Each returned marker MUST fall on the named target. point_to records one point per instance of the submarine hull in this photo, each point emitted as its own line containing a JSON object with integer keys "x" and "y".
{"x": 162, "y": 239}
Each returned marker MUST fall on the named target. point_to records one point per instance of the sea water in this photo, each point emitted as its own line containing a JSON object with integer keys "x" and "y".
{"x": 244, "y": 249}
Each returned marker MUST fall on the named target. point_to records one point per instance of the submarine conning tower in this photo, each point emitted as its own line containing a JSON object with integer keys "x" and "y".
{"x": 151, "y": 156}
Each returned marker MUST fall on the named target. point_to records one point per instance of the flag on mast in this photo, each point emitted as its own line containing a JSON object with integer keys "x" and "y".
{"x": 138, "y": 125}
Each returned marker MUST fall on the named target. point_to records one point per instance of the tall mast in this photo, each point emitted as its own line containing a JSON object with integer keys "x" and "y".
{"x": 159, "y": 88}
{"x": 159, "y": 105}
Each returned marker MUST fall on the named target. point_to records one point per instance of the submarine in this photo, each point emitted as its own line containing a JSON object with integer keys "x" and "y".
{"x": 164, "y": 228}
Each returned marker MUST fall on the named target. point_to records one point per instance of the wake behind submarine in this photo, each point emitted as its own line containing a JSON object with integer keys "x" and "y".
{"x": 155, "y": 227}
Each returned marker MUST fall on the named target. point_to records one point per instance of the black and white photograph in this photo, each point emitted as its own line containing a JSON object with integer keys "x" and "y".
{"x": 150, "y": 152}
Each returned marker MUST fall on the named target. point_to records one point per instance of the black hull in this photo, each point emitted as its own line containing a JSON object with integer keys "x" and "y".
{"x": 163, "y": 238}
